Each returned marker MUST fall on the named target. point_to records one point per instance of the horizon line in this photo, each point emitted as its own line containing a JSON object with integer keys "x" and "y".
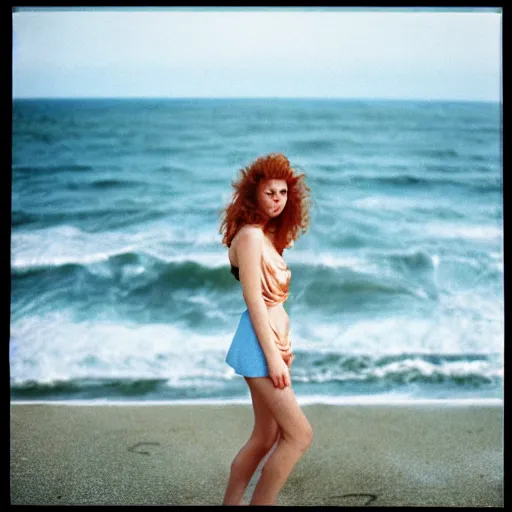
{"x": 320, "y": 98}
{"x": 247, "y": 8}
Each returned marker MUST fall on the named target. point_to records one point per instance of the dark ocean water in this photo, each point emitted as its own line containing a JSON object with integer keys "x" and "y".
{"x": 121, "y": 288}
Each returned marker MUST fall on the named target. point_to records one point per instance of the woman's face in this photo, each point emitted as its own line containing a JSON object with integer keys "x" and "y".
{"x": 272, "y": 197}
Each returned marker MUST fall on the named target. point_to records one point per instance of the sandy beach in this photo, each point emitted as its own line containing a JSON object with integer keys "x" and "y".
{"x": 362, "y": 455}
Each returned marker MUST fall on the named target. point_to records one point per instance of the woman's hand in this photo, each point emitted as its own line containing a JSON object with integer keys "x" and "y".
{"x": 279, "y": 372}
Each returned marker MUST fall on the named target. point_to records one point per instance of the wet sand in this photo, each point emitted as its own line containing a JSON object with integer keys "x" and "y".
{"x": 376, "y": 455}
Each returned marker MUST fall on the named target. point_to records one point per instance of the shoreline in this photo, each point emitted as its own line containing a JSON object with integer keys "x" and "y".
{"x": 376, "y": 455}
{"x": 337, "y": 401}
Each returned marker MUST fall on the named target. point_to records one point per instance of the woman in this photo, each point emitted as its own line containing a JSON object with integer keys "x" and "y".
{"x": 269, "y": 206}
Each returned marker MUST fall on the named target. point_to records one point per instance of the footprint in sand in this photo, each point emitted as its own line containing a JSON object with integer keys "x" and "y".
{"x": 355, "y": 499}
{"x": 138, "y": 445}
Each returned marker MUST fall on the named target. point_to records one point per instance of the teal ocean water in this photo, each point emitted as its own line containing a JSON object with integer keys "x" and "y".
{"x": 121, "y": 290}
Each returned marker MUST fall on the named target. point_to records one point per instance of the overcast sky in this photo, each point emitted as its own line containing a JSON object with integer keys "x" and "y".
{"x": 326, "y": 53}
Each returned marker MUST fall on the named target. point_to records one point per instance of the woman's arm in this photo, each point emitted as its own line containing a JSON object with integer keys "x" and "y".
{"x": 248, "y": 255}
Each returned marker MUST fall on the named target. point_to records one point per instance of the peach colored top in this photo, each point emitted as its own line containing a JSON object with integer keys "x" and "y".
{"x": 275, "y": 284}
{"x": 275, "y": 281}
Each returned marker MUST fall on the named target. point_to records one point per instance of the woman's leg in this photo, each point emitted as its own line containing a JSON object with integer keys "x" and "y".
{"x": 264, "y": 435}
{"x": 295, "y": 438}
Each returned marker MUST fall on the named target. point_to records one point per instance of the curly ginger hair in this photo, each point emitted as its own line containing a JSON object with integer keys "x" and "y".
{"x": 243, "y": 208}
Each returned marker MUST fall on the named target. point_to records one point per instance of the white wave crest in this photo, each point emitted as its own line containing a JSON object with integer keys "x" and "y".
{"x": 471, "y": 232}
{"x": 380, "y": 202}
{"x": 54, "y": 347}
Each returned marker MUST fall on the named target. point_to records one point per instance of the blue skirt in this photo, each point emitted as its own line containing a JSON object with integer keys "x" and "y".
{"x": 245, "y": 354}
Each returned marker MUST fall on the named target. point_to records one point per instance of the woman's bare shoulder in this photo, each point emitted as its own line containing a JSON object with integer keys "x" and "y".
{"x": 249, "y": 238}
{"x": 247, "y": 234}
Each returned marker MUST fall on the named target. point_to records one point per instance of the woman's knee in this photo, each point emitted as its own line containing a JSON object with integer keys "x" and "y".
{"x": 294, "y": 426}
{"x": 308, "y": 436}
{"x": 302, "y": 436}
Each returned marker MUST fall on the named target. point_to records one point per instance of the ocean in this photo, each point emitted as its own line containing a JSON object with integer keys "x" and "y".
{"x": 121, "y": 289}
